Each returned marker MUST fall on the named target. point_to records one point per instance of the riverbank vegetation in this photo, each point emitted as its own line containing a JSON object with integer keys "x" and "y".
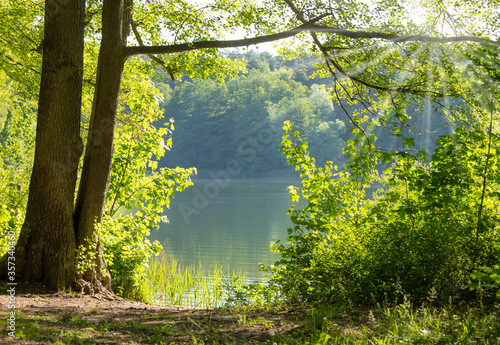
{"x": 46, "y": 316}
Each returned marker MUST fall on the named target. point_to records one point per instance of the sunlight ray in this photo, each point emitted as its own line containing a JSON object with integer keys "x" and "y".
{"x": 427, "y": 116}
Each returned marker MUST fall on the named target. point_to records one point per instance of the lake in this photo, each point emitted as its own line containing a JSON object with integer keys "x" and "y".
{"x": 228, "y": 223}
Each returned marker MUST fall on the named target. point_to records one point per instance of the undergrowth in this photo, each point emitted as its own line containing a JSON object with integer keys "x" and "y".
{"x": 402, "y": 324}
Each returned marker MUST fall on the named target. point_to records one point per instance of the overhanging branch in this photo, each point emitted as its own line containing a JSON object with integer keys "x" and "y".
{"x": 306, "y": 27}
{"x": 178, "y": 48}
{"x": 330, "y": 61}
{"x": 159, "y": 61}
{"x": 398, "y": 38}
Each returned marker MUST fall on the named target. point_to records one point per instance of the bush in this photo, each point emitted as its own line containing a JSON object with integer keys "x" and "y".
{"x": 420, "y": 236}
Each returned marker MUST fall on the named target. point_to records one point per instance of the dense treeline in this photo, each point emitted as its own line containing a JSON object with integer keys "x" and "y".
{"x": 239, "y": 120}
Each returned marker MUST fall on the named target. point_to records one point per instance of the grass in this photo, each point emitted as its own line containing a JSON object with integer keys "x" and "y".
{"x": 402, "y": 324}
{"x": 324, "y": 324}
{"x": 169, "y": 283}
{"x": 249, "y": 316}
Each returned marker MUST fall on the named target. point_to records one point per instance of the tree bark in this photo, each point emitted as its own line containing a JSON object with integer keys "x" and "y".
{"x": 94, "y": 181}
{"x": 45, "y": 251}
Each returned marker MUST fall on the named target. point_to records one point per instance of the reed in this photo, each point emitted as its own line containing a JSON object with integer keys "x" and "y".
{"x": 168, "y": 282}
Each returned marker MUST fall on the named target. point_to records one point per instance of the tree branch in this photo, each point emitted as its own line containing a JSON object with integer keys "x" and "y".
{"x": 357, "y": 35}
{"x": 159, "y": 61}
{"x": 183, "y": 47}
{"x": 398, "y": 38}
{"x": 298, "y": 13}
{"x": 306, "y": 27}
{"x": 12, "y": 61}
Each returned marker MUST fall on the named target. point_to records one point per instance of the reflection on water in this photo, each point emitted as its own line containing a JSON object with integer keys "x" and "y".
{"x": 230, "y": 223}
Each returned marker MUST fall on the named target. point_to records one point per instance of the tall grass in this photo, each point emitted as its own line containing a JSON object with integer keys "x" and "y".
{"x": 168, "y": 282}
{"x": 402, "y": 324}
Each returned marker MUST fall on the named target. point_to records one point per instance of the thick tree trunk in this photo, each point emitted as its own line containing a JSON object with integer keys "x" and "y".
{"x": 99, "y": 151}
{"x": 45, "y": 250}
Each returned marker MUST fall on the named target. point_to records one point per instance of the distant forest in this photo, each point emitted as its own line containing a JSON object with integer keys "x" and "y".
{"x": 238, "y": 122}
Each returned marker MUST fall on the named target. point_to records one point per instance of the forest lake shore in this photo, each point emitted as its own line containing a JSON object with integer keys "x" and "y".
{"x": 45, "y": 316}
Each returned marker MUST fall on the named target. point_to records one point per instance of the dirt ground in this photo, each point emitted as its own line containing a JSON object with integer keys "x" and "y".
{"x": 50, "y": 317}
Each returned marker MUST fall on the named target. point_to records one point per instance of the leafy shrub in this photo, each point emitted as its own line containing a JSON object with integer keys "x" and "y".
{"x": 421, "y": 235}
{"x": 487, "y": 278}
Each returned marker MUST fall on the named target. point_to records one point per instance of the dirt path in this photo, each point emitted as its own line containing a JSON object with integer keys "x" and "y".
{"x": 47, "y": 317}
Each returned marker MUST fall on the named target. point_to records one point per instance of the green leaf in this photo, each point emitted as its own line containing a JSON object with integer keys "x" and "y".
{"x": 408, "y": 142}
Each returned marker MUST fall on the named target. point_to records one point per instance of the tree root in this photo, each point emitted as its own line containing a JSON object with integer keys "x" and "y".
{"x": 95, "y": 288}
{"x": 97, "y": 280}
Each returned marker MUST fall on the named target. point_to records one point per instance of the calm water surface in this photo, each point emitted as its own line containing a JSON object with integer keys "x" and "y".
{"x": 227, "y": 223}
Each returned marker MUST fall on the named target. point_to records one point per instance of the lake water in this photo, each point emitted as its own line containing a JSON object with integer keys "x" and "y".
{"x": 228, "y": 223}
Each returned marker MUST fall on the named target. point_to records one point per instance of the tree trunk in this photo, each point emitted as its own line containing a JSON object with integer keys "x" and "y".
{"x": 94, "y": 181}
{"x": 45, "y": 251}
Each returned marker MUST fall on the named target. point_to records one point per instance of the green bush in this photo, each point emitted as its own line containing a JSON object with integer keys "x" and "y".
{"x": 420, "y": 235}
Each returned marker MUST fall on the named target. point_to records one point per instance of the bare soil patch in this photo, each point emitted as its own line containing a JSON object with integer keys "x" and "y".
{"x": 47, "y": 317}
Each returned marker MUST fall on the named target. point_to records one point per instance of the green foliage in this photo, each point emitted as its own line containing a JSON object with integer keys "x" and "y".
{"x": 245, "y": 295}
{"x": 86, "y": 255}
{"x": 21, "y": 33}
{"x": 421, "y": 203}
{"x": 165, "y": 23}
{"x": 486, "y": 278}
{"x": 485, "y": 78}
{"x": 419, "y": 237}
{"x": 241, "y": 119}
{"x": 483, "y": 74}
{"x": 17, "y": 139}
{"x": 431, "y": 224}
{"x": 402, "y": 324}
{"x": 432, "y": 235}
